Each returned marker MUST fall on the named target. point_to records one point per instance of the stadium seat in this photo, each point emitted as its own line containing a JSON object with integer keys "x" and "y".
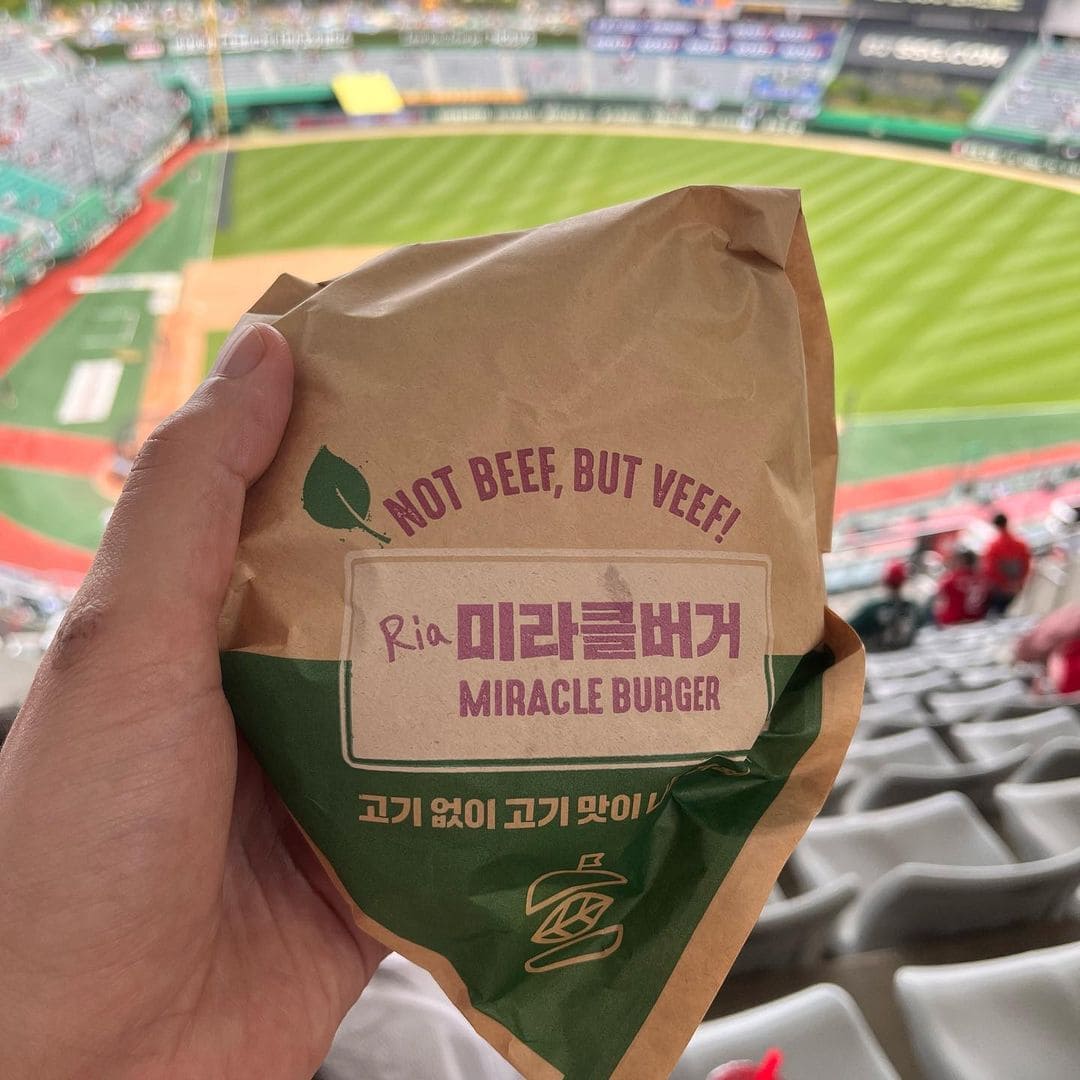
{"x": 1036, "y": 97}
{"x": 979, "y": 678}
{"x": 896, "y": 783}
{"x": 1058, "y": 759}
{"x": 980, "y": 740}
{"x": 996, "y": 1019}
{"x": 792, "y": 932}
{"x": 404, "y": 1025}
{"x": 1041, "y": 819}
{"x": 970, "y": 660}
{"x": 820, "y": 1031}
{"x": 895, "y": 716}
{"x": 919, "y": 747}
{"x": 955, "y": 705}
{"x": 900, "y": 664}
{"x": 904, "y": 709}
{"x": 928, "y": 869}
{"x": 834, "y": 802}
{"x": 916, "y": 902}
{"x": 934, "y": 679}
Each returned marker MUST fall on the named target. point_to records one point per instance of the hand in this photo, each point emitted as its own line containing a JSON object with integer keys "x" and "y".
{"x": 160, "y": 915}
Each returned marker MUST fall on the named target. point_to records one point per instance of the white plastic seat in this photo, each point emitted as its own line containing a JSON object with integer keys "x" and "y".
{"x": 968, "y": 658}
{"x": 820, "y": 1031}
{"x": 834, "y": 801}
{"x": 979, "y": 740}
{"x": 1041, "y": 819}
{"x": 900, "y": 664}
{"x": 944, "y": 829}
{"x": 917, "y": 901}
{"x": 1016, "y": 1016}
{"x": 792, "y": 932}
{"x": 877, "y": 712}
{"x": 982, "y": 677}
{"x": 903, "y": 713}
{"x": 902, "y": 782}
{"x": 955, "y": 705}
{"x": 926, "y": 869}
{"x": 403, "y": 1027}
{"x": 934, "y": 679}
{"x": 919, "y": 747}
{"x": 1058, "y": 759}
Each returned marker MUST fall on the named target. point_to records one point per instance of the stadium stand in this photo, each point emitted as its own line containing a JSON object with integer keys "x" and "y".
{"x": 755, "y": 60}
{"x": 75, "y": 141}
{"x": 955, "y": 811}
{"x": 1038, "y": 99}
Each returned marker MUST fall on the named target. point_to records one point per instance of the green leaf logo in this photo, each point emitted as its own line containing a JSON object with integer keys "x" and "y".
{"x": 337, "y": 495}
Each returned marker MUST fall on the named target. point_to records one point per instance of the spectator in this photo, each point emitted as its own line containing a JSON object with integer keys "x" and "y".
{"x": 890, "y": 621}
{"x": 961, "y": 595}
{"x": 1006, "y": 563}
{"x": 1056, "y": 642}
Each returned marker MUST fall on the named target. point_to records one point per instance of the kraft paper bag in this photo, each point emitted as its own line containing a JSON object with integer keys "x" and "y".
{"x": 528, "y": 623}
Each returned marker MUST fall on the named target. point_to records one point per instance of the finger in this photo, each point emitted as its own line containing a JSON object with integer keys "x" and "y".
{"x": 158, "y": 581}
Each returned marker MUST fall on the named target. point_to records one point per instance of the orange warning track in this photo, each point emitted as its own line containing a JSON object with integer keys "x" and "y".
{"x": 55, "y": 451}
{"x": 939, "y": 481}
{"x": 28, "y": 549}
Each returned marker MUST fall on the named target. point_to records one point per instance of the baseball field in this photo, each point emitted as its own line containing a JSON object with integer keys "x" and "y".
{"x": 952, "y": 294}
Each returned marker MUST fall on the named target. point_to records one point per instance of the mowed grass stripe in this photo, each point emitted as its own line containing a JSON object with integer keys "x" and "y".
{"x": 341, "y": 194}
{"x": 931, "y": 275}
{"x": 904, "y": 365}
{"x": 313, "y": 203}
{"x": 425, "y": 200}
{"x": 268, "y": 182}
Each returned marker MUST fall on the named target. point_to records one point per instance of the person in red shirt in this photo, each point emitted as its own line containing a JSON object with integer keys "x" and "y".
{"x": 1006, "y": 563}
{"x": 961, "y": 595}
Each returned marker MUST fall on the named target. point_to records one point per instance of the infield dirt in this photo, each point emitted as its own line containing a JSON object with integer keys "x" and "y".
{"x": 213, "y": 295}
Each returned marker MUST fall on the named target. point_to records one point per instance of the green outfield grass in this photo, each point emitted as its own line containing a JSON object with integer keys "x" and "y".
{"x": 214, "y": 341}
{"x": 66, "y": 508}
{"x": 945, "y": 289}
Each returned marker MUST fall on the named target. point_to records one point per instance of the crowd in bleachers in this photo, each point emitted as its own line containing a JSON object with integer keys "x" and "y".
{"x": 74, "y": 141}
{"x": 1039, "y": 97}
{"x": 704, "y": 83}
{"x": 83, "y": 127}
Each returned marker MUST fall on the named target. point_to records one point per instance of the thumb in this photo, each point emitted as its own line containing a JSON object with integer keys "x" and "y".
{"x": 160, "y": 576}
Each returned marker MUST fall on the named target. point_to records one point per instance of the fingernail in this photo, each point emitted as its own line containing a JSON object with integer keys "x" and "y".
{"x": 242, "y": 354}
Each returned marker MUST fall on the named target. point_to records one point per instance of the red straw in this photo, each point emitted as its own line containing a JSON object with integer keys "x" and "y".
{"x": 769, "y": 1069}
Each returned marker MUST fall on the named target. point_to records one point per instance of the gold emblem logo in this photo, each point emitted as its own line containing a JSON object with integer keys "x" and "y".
{"x": 574, "y": 901}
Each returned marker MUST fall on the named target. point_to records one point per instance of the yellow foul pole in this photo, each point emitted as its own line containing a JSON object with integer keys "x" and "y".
{"x": 217, "y": 71}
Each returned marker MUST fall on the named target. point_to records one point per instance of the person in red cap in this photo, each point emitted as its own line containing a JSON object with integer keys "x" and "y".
{"x": 1005, "y": 565}
{"x": 961, "y": 594}
{"x": 889, "y": 622}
